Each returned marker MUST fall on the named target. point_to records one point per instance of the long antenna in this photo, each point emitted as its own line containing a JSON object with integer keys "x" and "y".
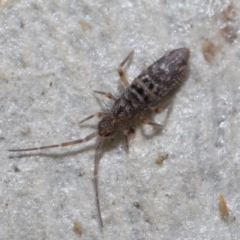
{"x": 86, "y": 139}
{"x": 96, "y": 163}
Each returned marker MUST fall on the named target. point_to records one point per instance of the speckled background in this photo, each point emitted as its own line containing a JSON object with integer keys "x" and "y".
{"x": 53, "y": 55}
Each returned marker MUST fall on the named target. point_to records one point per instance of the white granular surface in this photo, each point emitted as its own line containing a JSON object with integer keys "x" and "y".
{"x": 53, "y": 55}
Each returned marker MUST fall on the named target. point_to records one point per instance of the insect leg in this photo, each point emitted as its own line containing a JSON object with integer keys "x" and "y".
{"x": 98, "y": 114}
{"x": 96, "y": 163}
{"x": 107, "y": 94}
{"x": 120, "y": 70}
{"x": 162, "y": 108}
{"x": 126, "y": 133}
{"x": 145, "y": 121}
{"x": 86, "y": 139}
{"x": 157, "y": 109}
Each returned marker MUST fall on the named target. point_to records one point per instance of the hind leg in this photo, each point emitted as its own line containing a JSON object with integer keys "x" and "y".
{"x": 156, "y": 110}
{"x": 121, "y": 72}
{"x": 160, "y": 109}
{"x": 147, "y": 122}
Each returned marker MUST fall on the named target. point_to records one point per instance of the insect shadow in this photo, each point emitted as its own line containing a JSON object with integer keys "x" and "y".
{"x": 145, "y": 92}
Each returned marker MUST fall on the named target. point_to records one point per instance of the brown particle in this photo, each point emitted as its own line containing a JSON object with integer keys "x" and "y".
{"x": 229, "y": 13}
{"x": 223, "y": 207}
{"x": 16, "y": 169}
{"x": 136, "y": 205}
{"x": 208, "y": 50}
{"x": 161, "y": 158}
{"x": 229, "y": 33}
{"x": 77, "y": 227}
{"x": 26, "y": 132}
{"x": 84, "y": 25}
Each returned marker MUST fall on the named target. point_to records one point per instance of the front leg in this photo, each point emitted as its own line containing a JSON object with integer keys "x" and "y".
{"x": 107, "y": 94}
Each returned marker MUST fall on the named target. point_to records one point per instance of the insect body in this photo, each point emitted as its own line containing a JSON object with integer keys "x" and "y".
{"x": 146, "y": 90}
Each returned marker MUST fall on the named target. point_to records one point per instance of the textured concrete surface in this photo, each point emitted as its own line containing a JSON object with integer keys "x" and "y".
{"x": 53, "y": 55}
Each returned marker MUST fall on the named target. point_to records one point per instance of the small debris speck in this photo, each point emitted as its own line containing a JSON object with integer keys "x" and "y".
{"x": 77, "y": 227}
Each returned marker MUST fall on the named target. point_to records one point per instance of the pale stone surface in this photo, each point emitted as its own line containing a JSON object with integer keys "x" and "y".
{"x": 53, "y": 55}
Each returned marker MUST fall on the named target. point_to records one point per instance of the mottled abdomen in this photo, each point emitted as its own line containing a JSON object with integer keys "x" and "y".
{"x": 152, "y": 84}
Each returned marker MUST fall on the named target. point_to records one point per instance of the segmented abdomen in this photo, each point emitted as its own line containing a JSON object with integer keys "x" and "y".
{"x": 153, "y": 83}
